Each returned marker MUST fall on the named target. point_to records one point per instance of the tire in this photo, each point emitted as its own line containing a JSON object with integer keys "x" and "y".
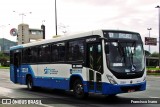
{"x": 111, "y": 96}
{"x": 30, "y": 83}
{"x": 79, "y": 90}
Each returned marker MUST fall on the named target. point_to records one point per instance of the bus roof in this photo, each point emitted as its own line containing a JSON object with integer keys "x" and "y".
{"x": 95, "y": 32}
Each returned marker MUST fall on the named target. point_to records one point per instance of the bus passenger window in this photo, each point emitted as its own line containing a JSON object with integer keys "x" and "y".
{"x": 76, "y": 50}
{"x": 58, "y": 52}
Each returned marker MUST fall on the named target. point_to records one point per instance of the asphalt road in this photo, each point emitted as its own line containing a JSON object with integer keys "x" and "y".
{"x": 59, "y": 98}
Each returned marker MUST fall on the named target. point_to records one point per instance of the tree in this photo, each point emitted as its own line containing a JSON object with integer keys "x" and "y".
{"x": 4, "y": 59}
{"x": 155, "y": 54}
{"x": 147, "y": 53}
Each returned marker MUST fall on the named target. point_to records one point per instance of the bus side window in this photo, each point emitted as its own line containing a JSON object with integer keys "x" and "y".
{"x": 76, "y": 50}
{"x": 44, "y": 53}
{"x": 58, "y": 52}
{"x": 54, "y": 52}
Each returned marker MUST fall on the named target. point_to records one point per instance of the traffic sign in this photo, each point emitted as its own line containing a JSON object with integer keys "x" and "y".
{"x": 13, "y": 32}
{"x": 150, "y": 41}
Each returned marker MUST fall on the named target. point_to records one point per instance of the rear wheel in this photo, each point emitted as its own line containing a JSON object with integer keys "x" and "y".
{"x": 30, "y": 83}
{"x": 79, "y": 90}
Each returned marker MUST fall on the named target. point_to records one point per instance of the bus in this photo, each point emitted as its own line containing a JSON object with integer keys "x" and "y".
{"x": 107, "y": 62}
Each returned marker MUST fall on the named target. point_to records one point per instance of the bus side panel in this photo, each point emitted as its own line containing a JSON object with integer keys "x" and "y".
{"x": 53, "y": 76}
{"x": 54, "y": 83}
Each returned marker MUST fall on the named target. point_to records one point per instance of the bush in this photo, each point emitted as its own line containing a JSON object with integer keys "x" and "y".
{"x": 4, "y": 59}
{"x": 153, "y": 71}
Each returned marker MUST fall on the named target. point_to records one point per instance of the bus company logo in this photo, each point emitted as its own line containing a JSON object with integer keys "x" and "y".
{"x": 133, "y": 68}
{"x": 91, "y": 39}
{"x": 50, "y": 71}
{"x": 6, "y": 101}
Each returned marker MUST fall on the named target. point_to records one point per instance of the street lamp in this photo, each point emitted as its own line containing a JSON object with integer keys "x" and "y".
{"x": 149, "y": 29}
{"x": 159, "y": 31}
{"x": 23, "y": 14}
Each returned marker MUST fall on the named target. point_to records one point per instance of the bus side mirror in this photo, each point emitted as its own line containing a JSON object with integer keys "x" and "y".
{"x": 107, "y": 49}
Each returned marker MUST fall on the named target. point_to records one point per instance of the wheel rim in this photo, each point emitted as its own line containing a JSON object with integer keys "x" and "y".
{"x": 79, "y": 89}
{"x": 29, "y": 84}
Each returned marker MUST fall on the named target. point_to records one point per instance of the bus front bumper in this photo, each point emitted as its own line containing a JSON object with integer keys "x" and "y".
{"x": 110, "y": 89}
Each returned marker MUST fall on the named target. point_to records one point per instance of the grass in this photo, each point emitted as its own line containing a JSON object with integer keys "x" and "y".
{"x": 153, "y": 68}
{"x": 2, "y": 67}
{"x": 153, "y": 73}
{"x": 156, "y": 74}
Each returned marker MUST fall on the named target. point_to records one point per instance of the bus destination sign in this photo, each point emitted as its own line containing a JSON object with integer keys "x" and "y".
{"x": 122, "y": 36}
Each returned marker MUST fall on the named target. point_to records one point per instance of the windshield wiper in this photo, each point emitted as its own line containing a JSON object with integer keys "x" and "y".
{"x": 132, "y": 53}
{"x": 121, "y": 51}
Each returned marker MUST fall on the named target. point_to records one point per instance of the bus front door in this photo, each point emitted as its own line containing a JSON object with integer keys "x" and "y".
{"x": 95, "y": 64}
{"x": 17, "y": 67}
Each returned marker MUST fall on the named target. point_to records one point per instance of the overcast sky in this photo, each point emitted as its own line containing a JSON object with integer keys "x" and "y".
{"x": 82, "y": 15}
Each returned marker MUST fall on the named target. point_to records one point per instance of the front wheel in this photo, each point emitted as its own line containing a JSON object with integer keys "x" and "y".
{"x": 78, "y": 90}
{"x": 111, "y": 96}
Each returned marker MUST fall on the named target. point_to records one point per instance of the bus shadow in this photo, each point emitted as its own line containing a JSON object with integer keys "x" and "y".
{"x": 67, "y": 97}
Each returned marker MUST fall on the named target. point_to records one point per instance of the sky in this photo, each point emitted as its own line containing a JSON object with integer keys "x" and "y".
{"x": 79, "y": 16}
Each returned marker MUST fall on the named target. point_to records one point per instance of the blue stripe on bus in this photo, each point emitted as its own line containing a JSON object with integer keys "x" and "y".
{"x": 57, "y": 78}
{"x": 16, "y": 47}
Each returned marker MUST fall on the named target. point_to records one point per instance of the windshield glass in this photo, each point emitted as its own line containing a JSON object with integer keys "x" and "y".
{"x": 125, "y": 56}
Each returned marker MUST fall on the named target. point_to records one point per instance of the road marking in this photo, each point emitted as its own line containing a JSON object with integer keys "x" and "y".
{"x": 153, "y": 97}
{"x": 153, "y": 77}
{"x": 148, "y": 85}
{"x": 45, "y": 105}
{"x": 6, "y": 90}
{"x": 2, "y": 89}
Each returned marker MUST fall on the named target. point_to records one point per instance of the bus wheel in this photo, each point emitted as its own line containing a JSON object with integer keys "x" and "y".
{"x": 78, "y": 90}
{"x": 30, "y": 83}
{"x": 111, "y": 96}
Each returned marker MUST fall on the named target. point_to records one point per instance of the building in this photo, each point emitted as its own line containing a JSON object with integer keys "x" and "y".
{"x": 26, "y": 34}
{"x": 5, "y": 45}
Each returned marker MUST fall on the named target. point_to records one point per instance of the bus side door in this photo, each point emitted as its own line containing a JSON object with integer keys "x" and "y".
{"x": 17, "y": 66}
{"x": 95, "y": 64}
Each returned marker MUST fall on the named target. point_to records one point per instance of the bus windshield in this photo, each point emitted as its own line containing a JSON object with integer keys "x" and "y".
{"x": 125, "y": 55}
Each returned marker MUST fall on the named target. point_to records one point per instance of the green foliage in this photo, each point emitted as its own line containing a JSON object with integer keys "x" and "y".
{"x": 155, "y": 54}
{"x": 147, "y": 53}
{"x": 4, "y": 59}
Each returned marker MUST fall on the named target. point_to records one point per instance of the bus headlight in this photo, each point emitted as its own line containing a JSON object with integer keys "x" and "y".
{"x": 111, "y": 80}
{"x": 144, "y": 78}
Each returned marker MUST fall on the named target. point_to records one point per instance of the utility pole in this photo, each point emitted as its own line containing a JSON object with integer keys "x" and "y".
{"x": 159, "y": 31}
{"x": 56, "y": 16}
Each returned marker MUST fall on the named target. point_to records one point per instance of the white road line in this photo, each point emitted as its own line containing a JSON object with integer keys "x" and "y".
{"x": 2, "y": 89}
{"x": 153, "y": 97}
{"x": 148, "y": 85}
{"x": 45, "y": 105}
{"x": 153, "y": 77}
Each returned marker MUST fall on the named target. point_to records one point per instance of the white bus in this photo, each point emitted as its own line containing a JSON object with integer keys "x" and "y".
{"x": 108, "y": 62}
